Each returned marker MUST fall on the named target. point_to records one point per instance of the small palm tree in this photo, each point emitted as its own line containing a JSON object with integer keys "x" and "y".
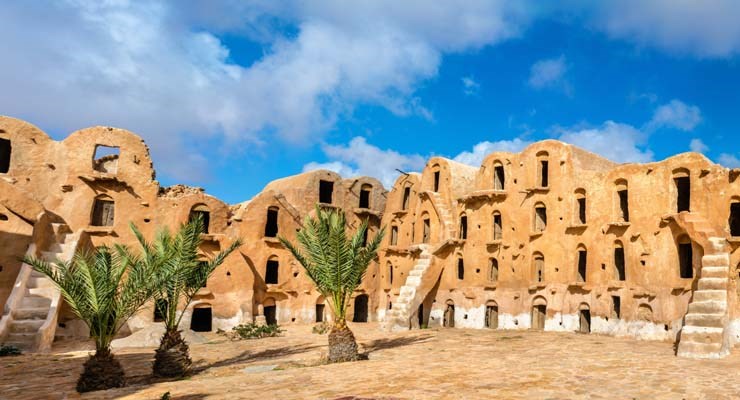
{"x": 104, "y": 288}
{"x": 336, "y": 263}
{"x": 176, "y": 260}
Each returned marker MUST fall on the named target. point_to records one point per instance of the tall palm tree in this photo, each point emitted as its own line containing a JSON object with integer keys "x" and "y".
{"x": 176, "y": 260}
{"x": 336, "y": 263}
{"x": 104, "y": 288}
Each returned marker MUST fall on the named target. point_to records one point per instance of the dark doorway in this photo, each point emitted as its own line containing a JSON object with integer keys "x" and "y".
{"x": 319, "y": 313}
{"x": 582, "y": 210}
{"x": 683, "y": 186}
{"x": 616, "y": 307}
{"x": 436, "y": 181}
{"x": 582, "y": 262}
{"x": 539, "y": 313}
{"x": 425, "y": 234}
{"x": 499, "y": 179}
{"x": 160, "y": 308}
{"x": 271, "y": 226}
{"x": 406, "y": 196}
{"x": 619, "y": 263}
{"x": 5, "y": 150}
{"x": 585, "y": 321}
{"x": 365, "y": 197}
{"x": 463, "y": 227}
{"x": 686, "y": 260}
{"x": 460, "y": 269}
{"x": 735, "y": 219}
{"x": 544, "y": 173}
{"x": 271, "y": 271}
{"x": 498, "y": 228}
{"x": 449, "y": 316}
{"x": 492, "y": 317}
{"x": 624, "y": 205}
{"x": 420, "y": 315}
{"x": 390, "y": 273}
{"x": 360, "y": 308}
{"x": 104, "y": 210}
{"x": 202, "y": 213}
{"x": 271, "y": 315}
{"x": 201, "y": 320}
{"x": 326, "y": 190}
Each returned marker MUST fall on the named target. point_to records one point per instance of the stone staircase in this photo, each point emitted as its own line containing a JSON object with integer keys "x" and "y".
{"x": 704, "y": 333}
{"x": 420, "y": 280}
{"x": 445, "y": 216}
{"x": 30, "y": 316}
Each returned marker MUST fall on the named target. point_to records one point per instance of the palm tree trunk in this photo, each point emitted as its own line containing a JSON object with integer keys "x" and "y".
{"x": 101, "y": 372}
{"x": 172, "y": 358}
{"x": 342, "y": 344}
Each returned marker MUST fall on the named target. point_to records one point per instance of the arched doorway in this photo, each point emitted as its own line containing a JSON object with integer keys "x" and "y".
{"x": 584, "y": 319}
{"x": 201, "y": 320}
{"x": 360, "y": 314}
{"x": 270, "y": 311}
{"x": 492, "y": 315}
{"x": 449, "y": 315}
{"x": 539, "y": 313}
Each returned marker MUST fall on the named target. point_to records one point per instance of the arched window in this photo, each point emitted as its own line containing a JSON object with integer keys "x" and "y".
{"x": 460, "y": 269}
{"x": 426, "y": 233}
{"x": 682, "y": 179}
{"x": 685, "y": 257}
{"x": 623, "y": 205}
{"x": 463, "y": 226}
{"x": 390, "y": 273}
{"x": 201, "y": 211}
{"x": 619, "y": 261}
{"x": 543, "y": 169}
{"x": 326, "y": 191}
{"x": 394, "y": 235}
{"x": 499, "y": 176}
{"x": 735, "y": 217}
{"x": 406, "y": 197}
{"x": 582, "y": 262}
{"x": 498, "y": 227}
{"x": 272, "y": 269}
{"x": 538, "y": 266}
{"x": 365, "y": 191}
{"x": 271, "y": 225}
{"x": 580, "y": 207}
{"x": 493, "y": 270}
{"x": 103, "y": 212}
{"x": 436, "y": 172}
{"x": 540, "y": 217}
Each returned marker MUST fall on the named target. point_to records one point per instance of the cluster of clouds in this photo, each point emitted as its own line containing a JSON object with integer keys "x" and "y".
{"x": 161, "y": 69}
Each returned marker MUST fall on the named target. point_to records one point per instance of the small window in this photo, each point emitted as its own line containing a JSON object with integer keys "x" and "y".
{"x": 326, "y": 190}
{"x": 463, "y": 227}
{"x": 365, "y": 196}
{"x": 460, "y": 269}
{"x": 499, "y": 177}
{"x": 735, "y": 219}
{"x": 201, "y": 211}
{"x": 683, "y": 189}
{"x": 493, "y": 271}
{"x": 544, "y": 173}
{"x": 498, "y": 227}
{"x": 105, "y": 159}
{"x": 271, "y": 270}
{"x": 426, "y": 233}
{"x": 5, "y": 150}
{"x": 623, "y": 201}
{"x": 540, "y": 218}
{"x": 390, "y": 273}
{"x": 406, "y": 196}
{"x": 436, "y": 181}
{"x": 619, "y": 261}
{"x": 539, "y": 267}
{"x": 581, "y": 207}
{"x": 582, "y": 262}
{"x": 394, "y": 235}
{"x": 104, "y": 210}
{"x": 271, "y": 226}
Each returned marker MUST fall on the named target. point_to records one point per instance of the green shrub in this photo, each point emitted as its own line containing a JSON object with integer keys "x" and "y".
{"x": 321, "y": 328}
{"x": 9, "y": 350}
{"x": 254, "y": 331}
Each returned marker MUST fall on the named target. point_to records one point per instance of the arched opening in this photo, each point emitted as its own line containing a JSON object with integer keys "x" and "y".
{"x": 160, "y": 309}
{"x": 436, "y": 172}
{"x": 581, "y": 207}
{"x": 272, "y": 268}
{"x": 202, "y": 318}
{"x": 499, "y": 177}
{"x": 103, "y": 212}
{"x": 498, "y": 226}
{"x": 539, "y": 313}
{"x": 463, "y": 226}
{"x": 365, "y": 191}
{"x": 582, "y": 263}
{"x": 584, "y": 319}
{"x": 406, "y": 197}
{"x": 5, "y": 150}
{"x": 616, "y": 307}
{"x": 735, "y": 217}
{"x": 426, "y": 233}
{"x": 270, "y": 311}
{"x": 105, "y": 158}
{"x": 491, "y": 315}
{"x": 360, "y": 309}
{"x": 685, "y": 257}
{"x": 543, "y": 169}
{"x": 619, "y": 261}
{"x": 390, "y": 273}
{"x": 460, "y": 269}
{"x": 682, "y": 180}
{"x": 493, "y": 270}
{"x": 320, "y": 309}
{"x": 538, "y": 263}
{"x": 365, "y": 233}
{"x": 645, "y": 312}
{"x": 271, "y": 224}
{"x": 394, "y": 235}
{"x": 326, "y": 191}
{"x": 540, "y": 217}
{"x": 448, "y": 320}
{"x": 201, "y": 211}
{"x": 623, "y": 205}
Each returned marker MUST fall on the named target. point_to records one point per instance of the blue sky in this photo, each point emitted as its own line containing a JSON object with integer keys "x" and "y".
{"x": 231, "y": 94}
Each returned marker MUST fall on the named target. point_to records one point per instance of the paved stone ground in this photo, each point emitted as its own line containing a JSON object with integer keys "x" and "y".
{"x": 427, "y": 364}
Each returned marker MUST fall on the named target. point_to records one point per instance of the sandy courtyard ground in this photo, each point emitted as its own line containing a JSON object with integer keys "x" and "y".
{"x": 421, "y": 364}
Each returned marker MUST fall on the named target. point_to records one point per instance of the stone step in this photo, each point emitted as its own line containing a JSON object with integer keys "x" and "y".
{"x": 27, "y": 339}
{"x": 699, "y": 350}
{"x": 718, "y": 243}
{"x": 708, "y": 307}
{"x": 415, "y": 272}
{"x": 31, "y": 313}
{"x": 702, "y": 334}
{"x": 706, "y": 320}
{"x": 710, "y": 295}
{"x": 42, "y": 291}
{"x": 407, "y": 290}
{"x": 715, "y": 272}
{"x": 35, "y": 302}
{"x": 39, "y": 282}
{"x": 50, "y": 256}
{"x": 413, "y": 280}
{"x": 712, "y": 283}
{"x": 26, "y": 325}
{"x": 37, "y": 274}
{"x": 716, "y": 260}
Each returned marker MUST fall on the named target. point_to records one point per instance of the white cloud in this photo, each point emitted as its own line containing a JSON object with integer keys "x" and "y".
{"x": 705, "y": 28}
{"x": 618, "y": 142}
{"x": 160, "y": 69}
{"x": 481, "y": 150}
{"x": 675, "y": 114}
{"x": 698, "y": 146}
{"x": 470, "y": 86}
{"x": 549, "y": 73}
{"x": 729, "y": 160}
{"x": 361, "y": 158}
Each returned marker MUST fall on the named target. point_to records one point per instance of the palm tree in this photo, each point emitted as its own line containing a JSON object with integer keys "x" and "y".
{"x": 104, "y": 288}
{"x": 336, "y": 263}
{"x": 176, "y": 260}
